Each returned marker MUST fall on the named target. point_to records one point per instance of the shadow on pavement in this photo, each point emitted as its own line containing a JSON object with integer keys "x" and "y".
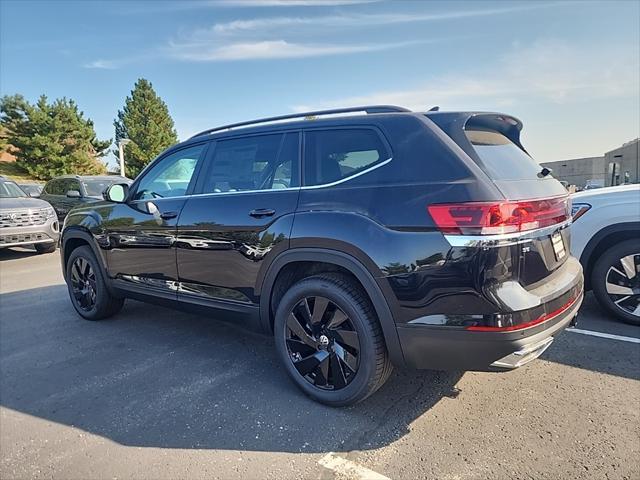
{"x": 16, "y": 253}
{"x": 613, "y": 357}
{"x": 154, "y": 377}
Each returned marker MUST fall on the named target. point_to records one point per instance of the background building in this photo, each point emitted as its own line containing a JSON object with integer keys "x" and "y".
{"x": 617, "y": 166}
{"x": 622, "y": 164}
{"x": 579, "y": 171}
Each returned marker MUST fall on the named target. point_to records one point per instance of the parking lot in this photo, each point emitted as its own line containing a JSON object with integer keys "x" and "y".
{"x": 154, "y": 393}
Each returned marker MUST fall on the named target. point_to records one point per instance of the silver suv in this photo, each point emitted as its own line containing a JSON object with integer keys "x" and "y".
{"x": 25, "y": 220}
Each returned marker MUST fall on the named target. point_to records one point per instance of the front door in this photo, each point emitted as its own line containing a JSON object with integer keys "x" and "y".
{"x": 248, "y": 192}
{"x": 141, "y": 233}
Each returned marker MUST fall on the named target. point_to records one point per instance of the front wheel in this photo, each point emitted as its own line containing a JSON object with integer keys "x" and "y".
{"x": 615, "y": 280}
{"x": 330, "y": 341}
{"x": 87, "y": 288}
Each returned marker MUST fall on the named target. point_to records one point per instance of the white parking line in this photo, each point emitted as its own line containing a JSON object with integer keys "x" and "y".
{"x": 348, "y": 468}
{"x": 604, "y": 335}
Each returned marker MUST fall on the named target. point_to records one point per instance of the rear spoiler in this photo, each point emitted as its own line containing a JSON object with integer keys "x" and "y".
{"x": 454, "y": 124}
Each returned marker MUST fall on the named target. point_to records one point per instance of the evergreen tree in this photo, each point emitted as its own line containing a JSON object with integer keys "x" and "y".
{"x": 50, "y": 139}
{"x": 144, "y": 120}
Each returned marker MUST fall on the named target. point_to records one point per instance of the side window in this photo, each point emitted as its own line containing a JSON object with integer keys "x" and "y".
{"x": 71, "y": 184}
{"x": 49, "y": 187}
{"x": 332, "y": 155}
{"x": 171, "y": 176}
{"x": 265, "y": 162}
{"x": 284, "y": 174}
{"x": 55, "y": 187}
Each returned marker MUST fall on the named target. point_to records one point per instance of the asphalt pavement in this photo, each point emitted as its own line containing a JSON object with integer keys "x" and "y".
{"x": 155, "y": 393}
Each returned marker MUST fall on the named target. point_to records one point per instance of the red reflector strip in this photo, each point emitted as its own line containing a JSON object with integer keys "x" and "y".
{"x": 540, "y": 319}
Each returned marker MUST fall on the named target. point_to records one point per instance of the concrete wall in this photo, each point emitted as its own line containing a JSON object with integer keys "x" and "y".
{"x": 578, "y": 170}
{"x": 626, "y": 160}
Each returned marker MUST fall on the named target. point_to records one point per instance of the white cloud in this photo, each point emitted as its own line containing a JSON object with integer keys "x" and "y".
{"x": 358, "y": 20}
{"x": 271, "y": 49}
{"x": 263, "y": 38}
{"x": 102, "y": 64}
{"x": 548, "y": 70}
{"x": 289, "y": 3}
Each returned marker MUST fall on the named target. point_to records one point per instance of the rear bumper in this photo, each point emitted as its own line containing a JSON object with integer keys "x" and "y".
{"x": 447, "y": 348}
{"x": 48, "y": 232}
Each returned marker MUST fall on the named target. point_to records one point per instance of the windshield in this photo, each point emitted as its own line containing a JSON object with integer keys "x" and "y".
{"x": 95, "y": 187}
{"x": 32, "y": 189}
{"x": 502, "y": 159}
{"x": 10, "y": 190}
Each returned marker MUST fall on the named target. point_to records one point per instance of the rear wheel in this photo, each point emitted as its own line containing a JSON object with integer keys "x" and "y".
{"x": 615, "y": 280}
{"x": 87, "y": 287}
{"x": 330, "y": 341}
{"x": 45, "y": 247}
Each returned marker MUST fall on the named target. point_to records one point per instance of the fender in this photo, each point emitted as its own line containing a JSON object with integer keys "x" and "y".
{"x": 351, "y": 264}
{"x": 588, "y": 251}
{"x": 602, "y": 234}
{"x": 81, "y": 232}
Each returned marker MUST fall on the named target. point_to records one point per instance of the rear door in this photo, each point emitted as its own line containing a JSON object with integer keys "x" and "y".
{"x": 242, "y": 213}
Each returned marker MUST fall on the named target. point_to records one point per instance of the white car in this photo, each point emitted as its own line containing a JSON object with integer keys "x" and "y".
{"x": 605, "y": 236}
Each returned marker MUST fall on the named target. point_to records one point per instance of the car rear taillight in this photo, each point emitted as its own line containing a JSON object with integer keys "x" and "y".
{"x": 487, "y": 218}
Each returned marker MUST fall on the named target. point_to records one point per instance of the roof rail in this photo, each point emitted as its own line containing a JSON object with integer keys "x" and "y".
{"x": 369, "y": 109}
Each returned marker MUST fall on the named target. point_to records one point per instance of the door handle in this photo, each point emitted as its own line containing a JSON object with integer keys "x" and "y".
{"x": 262, "y": 212}
{"x": 168, "y": 215}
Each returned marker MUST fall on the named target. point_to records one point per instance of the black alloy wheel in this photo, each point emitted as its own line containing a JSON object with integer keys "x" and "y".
{"x": 322, "y": 343}
{"x": 83, "y": 284}
{"x": 89, "y": 292}
{"x": 329, "y": 339}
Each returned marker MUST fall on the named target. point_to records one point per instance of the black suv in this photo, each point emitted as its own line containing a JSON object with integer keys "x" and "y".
{"x": 360, "y": 238}
{"x": 69, "y": 191}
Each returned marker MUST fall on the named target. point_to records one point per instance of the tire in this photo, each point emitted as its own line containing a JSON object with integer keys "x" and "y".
{"x": 46, "y": 247}
{"x": 334, "y": 381}
{"x": 612, "y": 282}
{"x": 95, "y": 301}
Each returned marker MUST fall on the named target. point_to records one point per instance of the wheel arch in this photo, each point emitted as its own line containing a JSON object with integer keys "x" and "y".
{"x": 342, "y": 261}
{"x": 603, "y": 240}
{"x": 74, "y": 237}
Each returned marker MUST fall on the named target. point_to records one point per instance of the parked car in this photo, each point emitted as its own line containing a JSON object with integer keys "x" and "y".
{"x": 26, "y": 221}
{"x": 31, "y": 189}
{"x": 593, "y": 184}
{"x": 386, "y": 237}
{"x": 606, "y": 239}
{"x": 69, "y": 191}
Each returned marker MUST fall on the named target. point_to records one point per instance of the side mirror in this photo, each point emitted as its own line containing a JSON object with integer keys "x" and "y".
{"x": 73, "y": 194}
{"x": 116, "y": 193}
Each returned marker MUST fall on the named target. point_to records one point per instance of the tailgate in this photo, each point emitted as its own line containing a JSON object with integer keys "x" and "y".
{"x": 492, "y": 141}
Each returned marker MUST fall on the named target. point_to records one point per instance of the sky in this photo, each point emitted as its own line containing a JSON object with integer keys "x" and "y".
{"x": 570, "y": 70}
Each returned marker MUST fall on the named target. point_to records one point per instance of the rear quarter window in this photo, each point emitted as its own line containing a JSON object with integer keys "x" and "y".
{"x": 336, "y": 154}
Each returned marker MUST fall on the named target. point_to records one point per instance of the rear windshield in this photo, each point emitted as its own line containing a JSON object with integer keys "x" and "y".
{"x": 501, "y": 158}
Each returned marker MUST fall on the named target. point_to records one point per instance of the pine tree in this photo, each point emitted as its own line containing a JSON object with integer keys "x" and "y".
{"x": 144, "y": 120}
{"x": 50, "y": 139}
